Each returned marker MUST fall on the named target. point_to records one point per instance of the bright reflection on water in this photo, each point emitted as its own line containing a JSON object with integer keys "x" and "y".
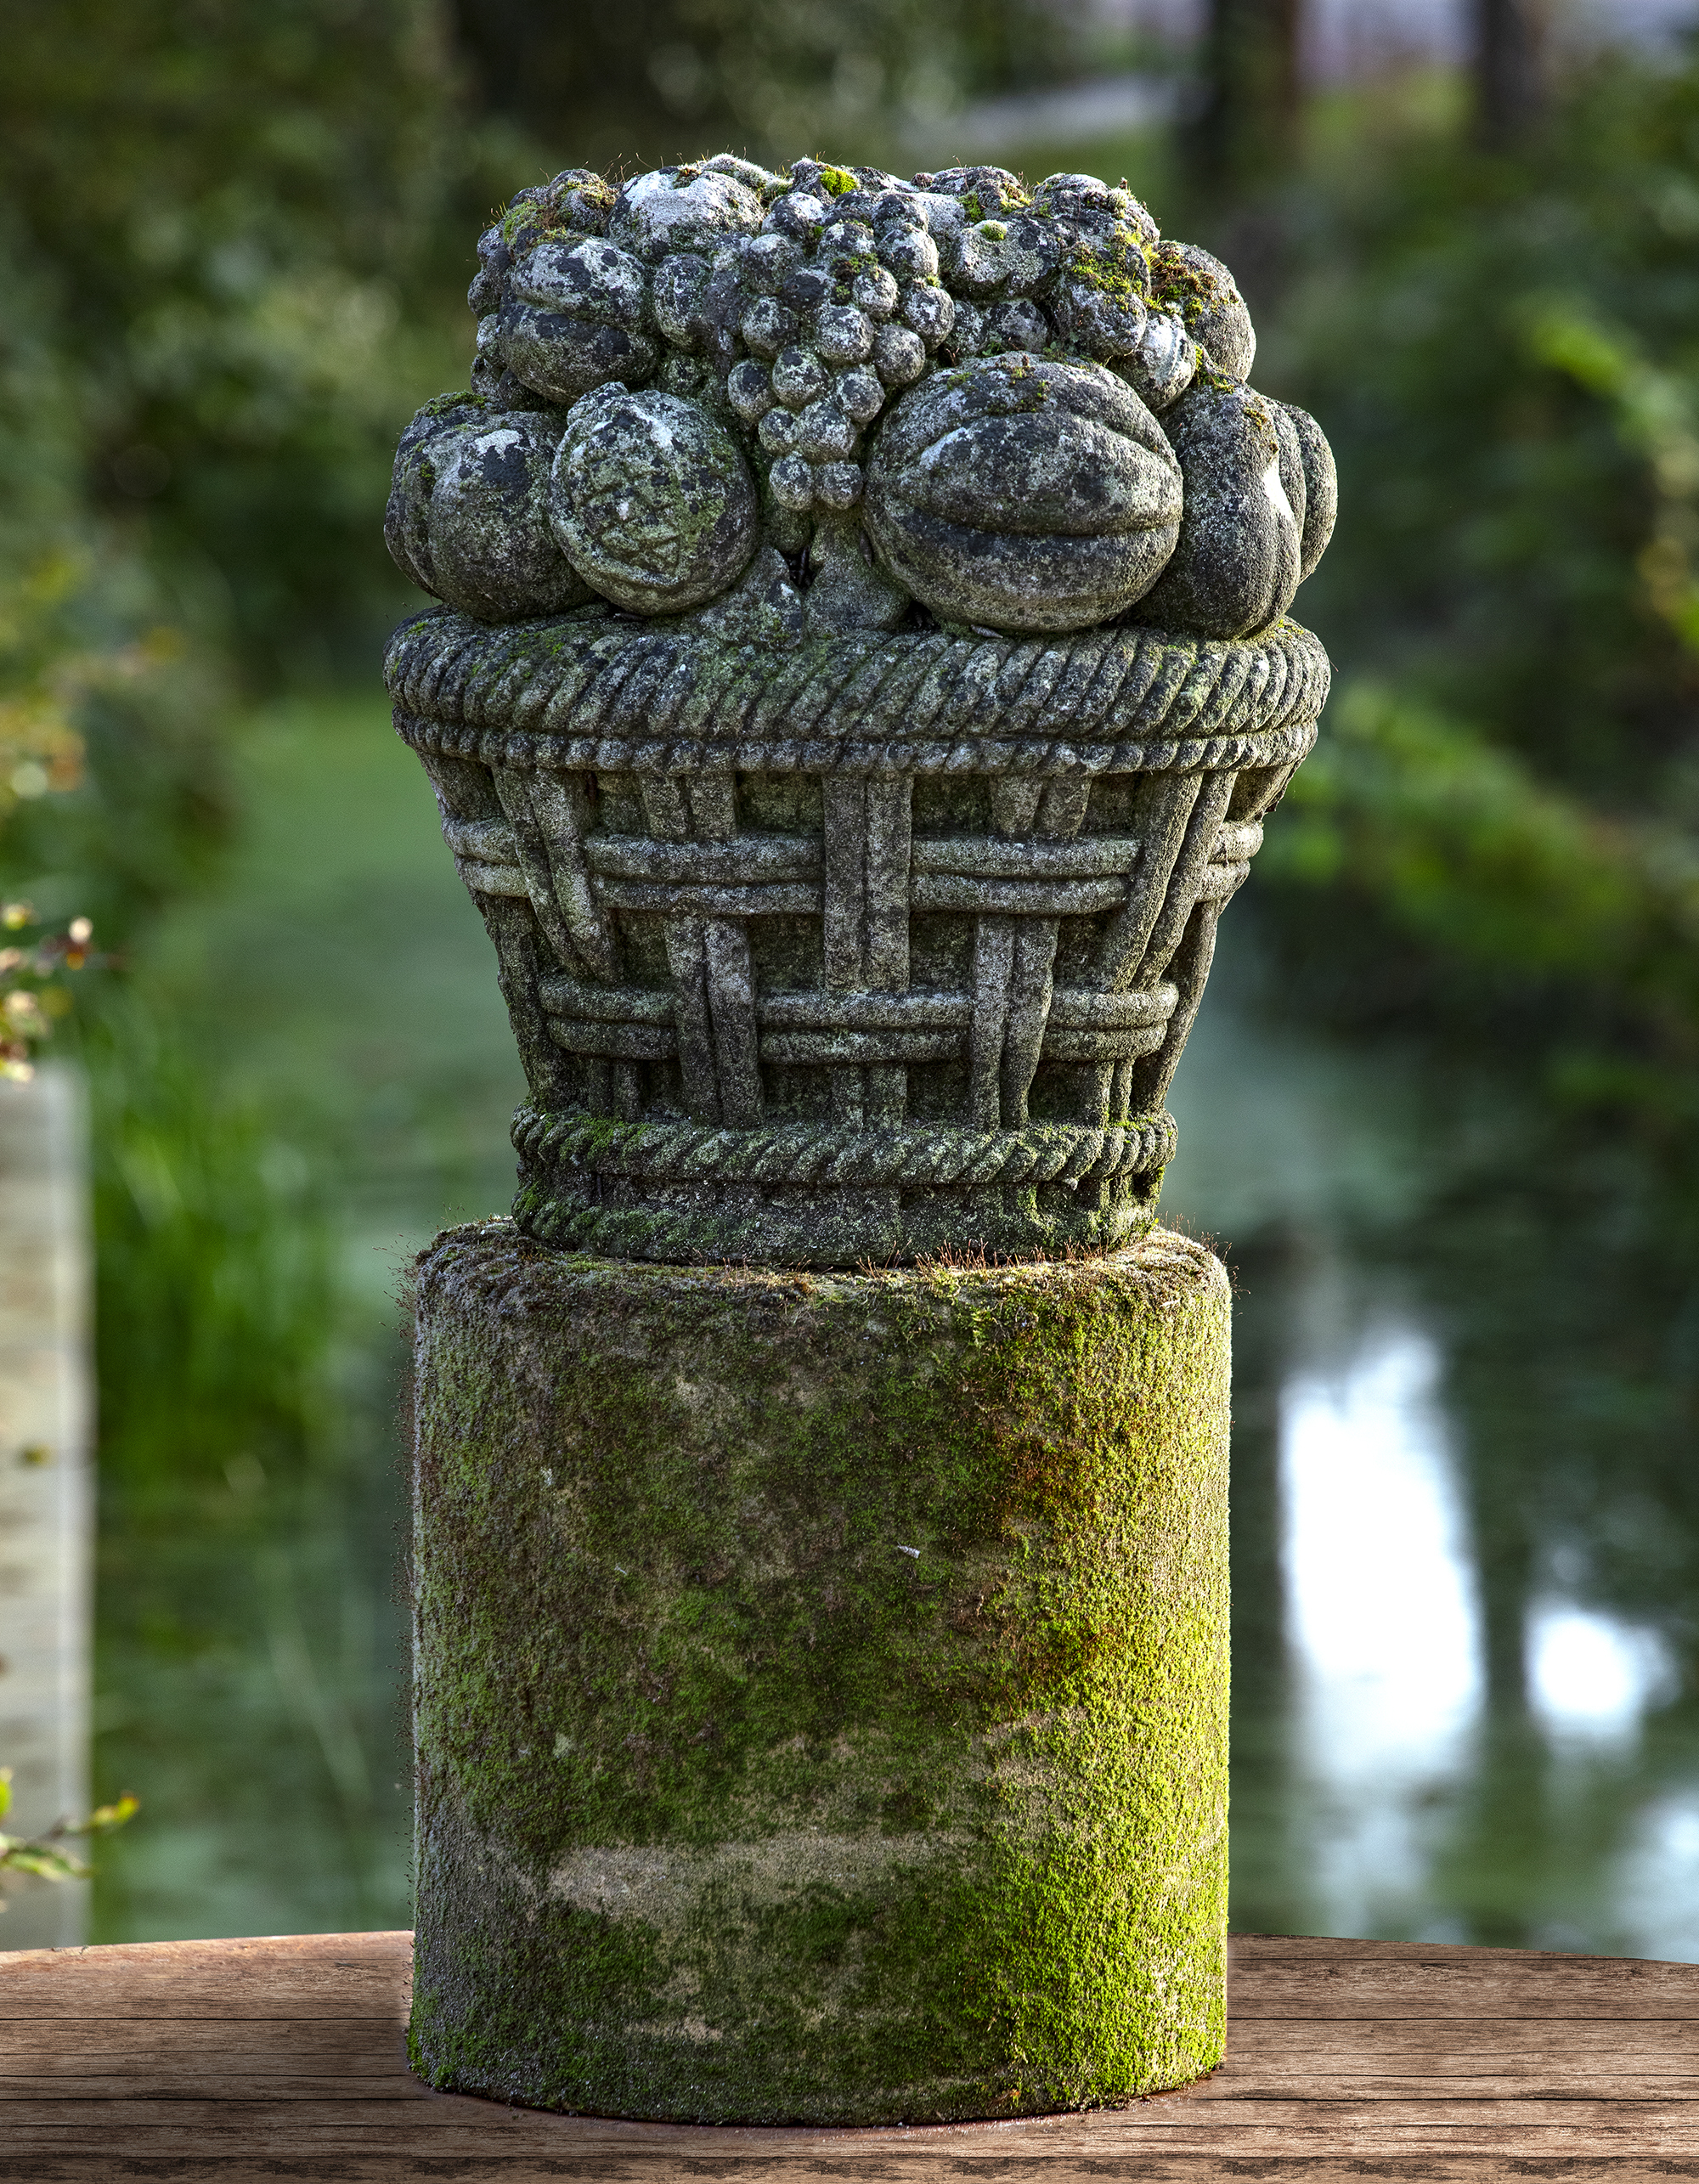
{"x": 1658, "y": 1879}
{"x": 1383, "y": 1619}
{"x": 1591, "y": 1676}
{"x": 1381, "y": 1614}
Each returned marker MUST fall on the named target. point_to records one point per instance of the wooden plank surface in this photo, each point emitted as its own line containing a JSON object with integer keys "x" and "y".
{"x": 239, "y": 2060}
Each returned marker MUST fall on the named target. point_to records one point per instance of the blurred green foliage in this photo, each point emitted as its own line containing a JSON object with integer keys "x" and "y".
{"x": 232, "y": 218}
{"x": 230, "y": 275}
{"x": 216, "y": 1306}
{"x": 1505, "y": 351}
{"x": 622, "y": 88}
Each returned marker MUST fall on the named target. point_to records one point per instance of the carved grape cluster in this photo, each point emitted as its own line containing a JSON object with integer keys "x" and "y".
{"x": 848, "y": 312}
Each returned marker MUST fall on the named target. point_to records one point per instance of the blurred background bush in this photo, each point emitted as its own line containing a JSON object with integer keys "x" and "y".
{"x": 234, "y": 244}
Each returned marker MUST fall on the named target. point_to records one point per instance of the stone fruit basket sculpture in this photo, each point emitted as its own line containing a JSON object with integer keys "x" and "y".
{"x": 863, "y": 671}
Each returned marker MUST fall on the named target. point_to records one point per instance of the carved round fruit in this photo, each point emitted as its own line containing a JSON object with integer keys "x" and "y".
{"x": 1240, "y": 556}
{"x": 899, "y": 356}
{"x": 1163, "y": 365}
{"x": 468, "y": 514}
{"x": 1103, "y": 321}
{"x": 1022, "y": 494}
{"x": 652, "y": 502}
{"x": 791, "y": 481}
{"x": 1201, "y": 291}
{"x": 749, "y": 390}
{"x": 587, "y": 279}
{"x": 1020, "y": 325}
{"x": 929, "y": 310}
{"x": 680, "y": 208}
{"x": 562, "y": 357}
{"x": 1321, "y": 486}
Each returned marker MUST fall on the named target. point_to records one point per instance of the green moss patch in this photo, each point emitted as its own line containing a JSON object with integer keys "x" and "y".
{"x": 822, "y": 1682}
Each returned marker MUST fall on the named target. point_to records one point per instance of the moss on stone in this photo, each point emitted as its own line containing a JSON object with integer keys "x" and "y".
{"x": 822, "y": 1682}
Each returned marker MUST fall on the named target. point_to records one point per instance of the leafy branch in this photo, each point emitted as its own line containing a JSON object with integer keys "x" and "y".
{"x": 46, "y": 1855}
{"x": 33, "y": 994}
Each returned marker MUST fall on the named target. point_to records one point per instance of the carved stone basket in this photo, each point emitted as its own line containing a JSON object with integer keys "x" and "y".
{"x": 856, "y": 951}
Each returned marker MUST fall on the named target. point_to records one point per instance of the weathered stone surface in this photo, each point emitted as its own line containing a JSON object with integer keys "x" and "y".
{"x": 575, "y": 317}
{"x": 822, "y": 1674}
{"x": 1321, "y": 486}
{"x": 857, "y": 948}
{"x": 821, "y": 1683}
{"x": 1100, "y": 294}
{"x": 562, "y": 357}
{"x": 1164, "y": 363}
{"x": 1237, "y": 563}
{"x": 763, "y": 612}
{"x": 1204, "y": 295}
{"x": 585, "y": 278}
{"x": 794, "y": 308}
{"x": 847, "y": 588}
{"x": 684, "y": 209}
{"x": 652, "y": 501}
{"x": 1024, "y": 494}
{"x": 468, "y": 515}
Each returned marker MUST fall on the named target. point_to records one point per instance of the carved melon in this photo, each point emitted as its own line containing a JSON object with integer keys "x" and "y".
{"x": 1024, "y": 495}
{"x": 1241, "y": 555}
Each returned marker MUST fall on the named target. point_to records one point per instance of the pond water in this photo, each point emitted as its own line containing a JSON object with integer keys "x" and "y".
{"x": 1465, "y": 1524}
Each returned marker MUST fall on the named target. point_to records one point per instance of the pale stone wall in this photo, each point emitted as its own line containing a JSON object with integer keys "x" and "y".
{"x": 47, "y": 1493}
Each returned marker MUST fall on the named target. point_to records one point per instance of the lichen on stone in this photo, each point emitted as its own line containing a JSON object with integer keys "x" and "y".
{"x": 868, "y": 673}
{"x": 880, "y": 282}
{"x": 820, "y": 1668}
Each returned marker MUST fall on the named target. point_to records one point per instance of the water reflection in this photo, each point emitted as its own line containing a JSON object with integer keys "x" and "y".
{"x": 1466, "y": 1514}
{"x": 1657, "y": 1881}
{"x": 1591, "y": 1676}
{"x": 1466, "y": 1508}
{"x": 1382, "y": 1615}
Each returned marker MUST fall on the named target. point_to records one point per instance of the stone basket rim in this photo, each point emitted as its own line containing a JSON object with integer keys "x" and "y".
{"x": 561, "y": 693}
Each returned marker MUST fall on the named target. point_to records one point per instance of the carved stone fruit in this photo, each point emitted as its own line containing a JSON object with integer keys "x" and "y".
{"x": 683, "y": 209}
{"x": 1162, "y": 366}
{"x": 468, "y": 513}
{"x": 590, "y": 278}
{"x": 652, "y": 501}
{"x": 1022, "y": 494}
{"x": 1321, "y": 487}
{"x": 1238, "y": 562}
{"x": 564, "y": 358}
{"x": 1204, "y": 295}
{"x": 577, "y": 316}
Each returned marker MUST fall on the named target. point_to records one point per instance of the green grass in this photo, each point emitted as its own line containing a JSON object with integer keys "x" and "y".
{"x": 342, "y": 975}
{"x": 312, "y": 1074}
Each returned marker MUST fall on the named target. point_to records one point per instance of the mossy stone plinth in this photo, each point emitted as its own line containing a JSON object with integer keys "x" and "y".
{"x": 822, "y": 1682}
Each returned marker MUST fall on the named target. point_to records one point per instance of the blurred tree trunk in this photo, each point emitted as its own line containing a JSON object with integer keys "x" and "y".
{"x": 1509, "y": 34}
{"x": 1248, "y": 126}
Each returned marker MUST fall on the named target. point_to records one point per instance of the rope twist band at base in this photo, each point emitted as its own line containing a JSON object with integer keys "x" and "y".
{"x": 793, "y": 1194}
{"x": 914, "y": 1156}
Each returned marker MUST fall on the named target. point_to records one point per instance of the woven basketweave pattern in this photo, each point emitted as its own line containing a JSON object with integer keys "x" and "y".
{"x": 917, "y": 973}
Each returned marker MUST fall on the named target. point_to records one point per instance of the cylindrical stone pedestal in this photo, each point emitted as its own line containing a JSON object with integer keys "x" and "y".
{"x": 822, "y": 1682}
